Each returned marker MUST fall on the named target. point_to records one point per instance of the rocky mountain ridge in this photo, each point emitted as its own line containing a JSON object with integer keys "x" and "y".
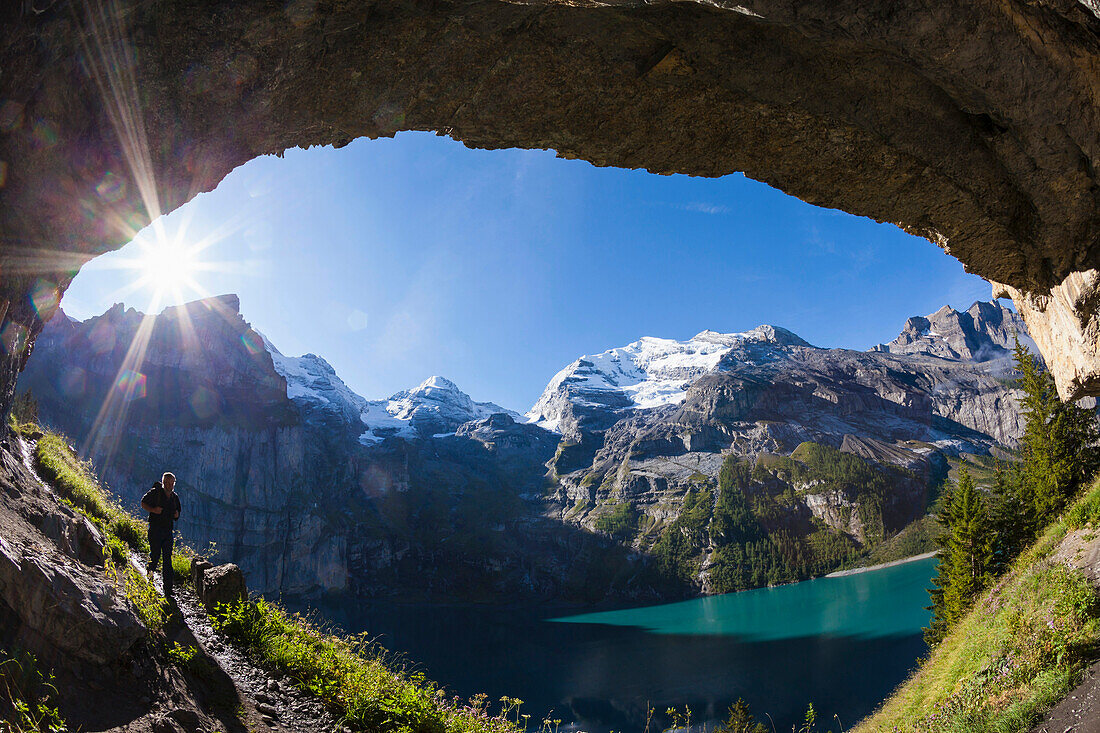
{"x": 287, "y": 488}
{"x": 985, "y": 332}
{"x": 315, "y": 487}
{"x": 595, "y": 391}
{"x": 436, "y": 407}
{"x": 786, "y": 419}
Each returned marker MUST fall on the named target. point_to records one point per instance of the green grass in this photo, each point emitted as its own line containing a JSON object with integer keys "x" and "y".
{"x": 1020, "y": 650}
{"x": 77, "y": 484}
{"x": 73, "y": 480}
{"x": 28, "y": 698}
{"x": 354, "y": 678}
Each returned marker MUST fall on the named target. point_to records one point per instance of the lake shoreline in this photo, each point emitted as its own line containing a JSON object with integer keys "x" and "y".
{"x": 855, "y": 571}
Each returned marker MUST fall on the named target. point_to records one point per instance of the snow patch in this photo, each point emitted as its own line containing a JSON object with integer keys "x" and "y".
{"x": 650, "y": 372}
{"x": 435, "y": 402}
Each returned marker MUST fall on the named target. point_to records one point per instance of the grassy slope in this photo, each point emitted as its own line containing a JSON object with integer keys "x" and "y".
{"x": 1020, "y": 650}
{"x": 354, "y": 678}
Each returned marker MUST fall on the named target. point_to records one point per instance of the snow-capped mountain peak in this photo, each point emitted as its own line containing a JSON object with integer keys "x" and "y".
{"x": 437, "y": 406}
{"x": 650, "y": 372}
{"x": 312, "y": 380}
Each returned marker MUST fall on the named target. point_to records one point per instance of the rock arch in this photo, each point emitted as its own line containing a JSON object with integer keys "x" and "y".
{"x": 975, "y": 124}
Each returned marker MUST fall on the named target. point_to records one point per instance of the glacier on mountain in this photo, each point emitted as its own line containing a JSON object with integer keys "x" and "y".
{"x": 434, "y": 408}
{"x": 650, "y": 372}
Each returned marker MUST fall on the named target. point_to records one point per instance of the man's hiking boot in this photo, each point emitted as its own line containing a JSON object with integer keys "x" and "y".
{"x": 149, "y": 571}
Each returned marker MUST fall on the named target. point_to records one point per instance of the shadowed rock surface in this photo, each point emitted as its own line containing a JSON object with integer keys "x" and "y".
{"x": 54, "y": 600}
{"x": 975, "y": 125}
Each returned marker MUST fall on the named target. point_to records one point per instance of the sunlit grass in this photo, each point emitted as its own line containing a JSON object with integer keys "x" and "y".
{"x": 354, "y": 678}
{"x": 1019, "y": 651}
{"x": 76, "y": 483}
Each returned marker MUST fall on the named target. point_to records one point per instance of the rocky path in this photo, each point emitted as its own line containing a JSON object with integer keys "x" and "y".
{"x": 1079, "y": 711}
{"x": 270, "y": 701}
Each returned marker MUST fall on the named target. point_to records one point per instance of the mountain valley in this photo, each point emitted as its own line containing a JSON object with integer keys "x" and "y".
{"x": 662, "y": 469}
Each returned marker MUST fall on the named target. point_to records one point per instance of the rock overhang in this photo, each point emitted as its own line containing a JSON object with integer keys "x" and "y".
{"x": 976, "y": 125}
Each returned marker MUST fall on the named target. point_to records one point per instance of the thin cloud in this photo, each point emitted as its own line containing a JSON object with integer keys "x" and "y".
{"x": 703, "y": 207}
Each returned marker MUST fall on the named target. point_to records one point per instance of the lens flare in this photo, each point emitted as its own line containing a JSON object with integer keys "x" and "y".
{"x": 167, "y": 266}
{"x": 131, "y": 385}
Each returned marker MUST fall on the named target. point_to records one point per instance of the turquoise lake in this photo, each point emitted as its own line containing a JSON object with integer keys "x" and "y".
{"x": 841, "y": 643}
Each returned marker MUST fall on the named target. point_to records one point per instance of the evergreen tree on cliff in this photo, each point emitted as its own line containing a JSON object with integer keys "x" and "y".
{"x": 966, "y": 556}
{"x": 1009, "y": 518}
{"x": 1058, "y": 448}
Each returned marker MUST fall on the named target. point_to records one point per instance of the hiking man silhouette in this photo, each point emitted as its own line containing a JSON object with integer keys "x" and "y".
{"x": 163, "y": 505}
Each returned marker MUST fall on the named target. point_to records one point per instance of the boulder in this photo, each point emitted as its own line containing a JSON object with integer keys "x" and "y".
{"x": 74, "y": 535}
{"x": 189, "y": 720}
{"x": 70, "y": 607}
{"x": 222, "y": 584}
{"x": 198, "y": 573}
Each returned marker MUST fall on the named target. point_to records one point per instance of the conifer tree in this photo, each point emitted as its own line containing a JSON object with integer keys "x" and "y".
{"x": 1058, "y": 448}
{"x": 1009, "y": 519}
{"x": 966, "y": 556}
{"x": 740, "y": 720}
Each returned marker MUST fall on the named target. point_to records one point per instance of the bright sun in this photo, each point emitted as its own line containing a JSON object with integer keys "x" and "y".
{"x": 168, "y": 266}
{"x": 168, "y": 269}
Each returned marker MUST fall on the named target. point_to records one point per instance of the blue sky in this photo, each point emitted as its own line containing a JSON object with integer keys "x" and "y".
{"x": 401, "y": 258}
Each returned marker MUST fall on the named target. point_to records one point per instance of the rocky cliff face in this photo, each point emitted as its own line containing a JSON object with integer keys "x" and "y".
{"x": 984, "y": 332}
{"x": 203, "y": 400}
{"x": 303, "y": 483}
{"x": 648, "y": 428}
{"x": 310, "y": 486}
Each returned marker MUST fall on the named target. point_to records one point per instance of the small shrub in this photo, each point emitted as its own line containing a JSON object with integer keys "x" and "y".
{"x": 181, "y": 567}
{"x": 180, "y": 654}
{"x": 148, "y": 604}
{"x": 1086, "y": 512}
{"x": 27, "y": 696}
{"x": 114, "y": 548}
{"x": 187, "y": 657}
{"x": 130, "y": 530}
